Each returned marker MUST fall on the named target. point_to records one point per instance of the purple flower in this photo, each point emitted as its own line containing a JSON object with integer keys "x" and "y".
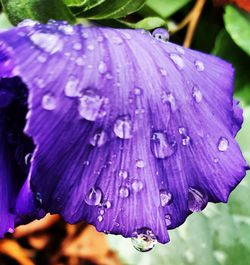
{"x": 131, "y": 133}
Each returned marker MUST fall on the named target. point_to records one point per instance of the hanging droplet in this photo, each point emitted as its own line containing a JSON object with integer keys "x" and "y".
{"x": 160, "y": 146}
{"x": 166, "y": 198}
{"x": 197, "y": 95}
{"x": 102, "y": 68}
{"x": 49, "y": 102}
{"x": 99, "y": 139}
{"x": 223, "y": 144}
{"x": 123, "y": 192}
{"x": 143, "y": 239}
{"x": 94, "y": 197}
{"x": 92, "y": 106}
{"x": 161, "y": 34}
{"x": 50, "y": 43}
{"x": 71, "y": 87}
{"x": 140, "y": 163}
{"x": 123, "y": 127}
{"x": 123, "y": 174}
{"x": 178, "y": 61}
{"x": 137, "y": 185}
{"x": 199, "y": 66}
{"x": 168, "y": 219}
{"x": 196, "y": 200}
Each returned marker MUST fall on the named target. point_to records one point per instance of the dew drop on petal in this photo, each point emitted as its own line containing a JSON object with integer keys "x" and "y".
{"x": 49, "y": 102}
{"x": 143, "y": 239}
{"x": 166, "y": 198}
{"x": 160, "y": 146}
{"x": 168, "y": 219}
{"x": 80, "y": 61}
{"x": 41, "y": 58}
{"x": 71, "y": 87}
{"x": 50, "y": 43}
{"x": 186, "y": 140}
{"x": 90, "y": 47}
{"x": 140, "y": 163}
{"x": 99, "y": 139}
{"x": 107, "y": 204}
{"x": 137, "y": 185}
{"x": 102, "y": 68}
{"x": 66, "y": 29}
{"x": 94, "y": 197}
{"x": 199, "y": 66}
{"x": 178, "y": 61}
{"x": 161, "y": 34}
{"x": 180, "y": 50}
{"x": 123, "y": 174}
{"x": 100, "y": 218}
{"x": 123, "y": 192}
{"x": 91, "y": 105}
{"x": 123, "y": 127}
{"x": 197, "y": 94}
{"x": 77, "y": 46}
{"x": 223, "y": 144}
{"x": 138, "y": 91}
{"x": 27, "y": 23}
{"x": 196, "y": 200}
{"x": 169, "y": 99}
{"x": 117, "y": 40}
{"x": 11, "y": 230}
{"x": 38, "y": 198}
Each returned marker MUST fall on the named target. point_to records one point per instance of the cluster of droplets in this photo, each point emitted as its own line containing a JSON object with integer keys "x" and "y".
{"x": 184, "y": 135}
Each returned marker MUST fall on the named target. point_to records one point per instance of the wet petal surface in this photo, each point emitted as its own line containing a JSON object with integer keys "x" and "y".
{"x": 132, "y": 133}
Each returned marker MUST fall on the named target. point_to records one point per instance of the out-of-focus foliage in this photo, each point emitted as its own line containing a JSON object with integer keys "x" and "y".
{"x": 237, "y": 23}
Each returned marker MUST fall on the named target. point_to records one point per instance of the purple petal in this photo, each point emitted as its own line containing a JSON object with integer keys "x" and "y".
{"x": 132, "y": 134}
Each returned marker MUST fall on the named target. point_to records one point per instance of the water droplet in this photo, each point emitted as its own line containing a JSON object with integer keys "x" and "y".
{"x": 127, "y": 36}
{"x": 94, "y": 197}
{"x": 85, "y": 35}
{"x": 163, "y": 72}
{"x": 101, "y": 212}
{"x": 140, "y": 163}
{"x": 100, "y": 218}
{"x": 27, "y": 23}
{"x": 123, "y": 127}
{"x": 27, "y": 159}
{"x": 100, "y": 39}
{"x": 38, "y": 198}
{"x": 143, "y": 239}
{"x": 49, "y": 102}
{"x": 77, "y": 46}
{"x": 102, "y": 68}
{"x": 107, "y": 204}
{"x": 168, "y": 220}
{"x": 66, "y": 29}
{"x": 223, "y": 144}
{"x": 138, "y": 91}
{"x": 197, "y": 95}
{"x": 137, "y": 185}
{"x": 160, "y": 146}
{"x": 196, "y": 200}
{"x": 99, "y": 139}
{"x": 39, "y": 82}
{"x": 161, "y": 34}
{"x": 41, "y": 58}
{"x": 185, "y": 138}
{"x": 180, "y": 50}
{"x": 169, "y": 99}
{"x": 11, "y": 230}
{"x": 178, "y": 61}
{"x": 71, "y": 88}
{"x": 92, "y": 105}
{"x": 166, "y": 198}
{"x": 80, "y": 61}
{"x": 50, "y": 43}
{"x": 90, "y": 47}
{"x": 199, "y": 66}
{"x": 123, "y": 192}
{"x": 117, "y": 40}
{"x": 123, "y": 173}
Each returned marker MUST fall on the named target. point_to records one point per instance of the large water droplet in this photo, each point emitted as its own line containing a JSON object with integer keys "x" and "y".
{"x": 123, "y": 192}
{"x": 50, "y": 43}
{"x": 166, "y": 198}
{"x": 199, "y": 66}
{"x": 123, "y": 174}
{"x": 223, "y": 144}
{"x": 92, "y": 105}
{"x": 178, "y": 61}
{"x": 143, "y": 239}
{"x": 197, "y": 95}
{"x": 140, "y": 163}
{"x": 161, "y": 34}
{"x": 196, "y": 200}
{"x": 123, "y": 127}
{"x": 99, "y": 139}
{"x": 49, "y": 102}
{"x": 160, "y": 146}
{"x": 71, "y": 88}
{"x": 137, "y": 185}
{"x": 94, "y": 197}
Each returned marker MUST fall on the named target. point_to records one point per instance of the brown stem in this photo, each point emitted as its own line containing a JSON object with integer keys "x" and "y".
{"x": 194, "y": 18}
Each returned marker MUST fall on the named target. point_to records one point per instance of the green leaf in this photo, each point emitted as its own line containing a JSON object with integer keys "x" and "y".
{"x": 228, "y": 50}
{"x": 237, "y": 23}
{"x": 150, "y": 23}
{"x": 75, "y": 2}
{"x": 113, "y": 9}
{"x": 164, "y": 8}
{"x": 40, "y": 10}
{"x": 4, "y": 22}
{"x": 218, "y": 236}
